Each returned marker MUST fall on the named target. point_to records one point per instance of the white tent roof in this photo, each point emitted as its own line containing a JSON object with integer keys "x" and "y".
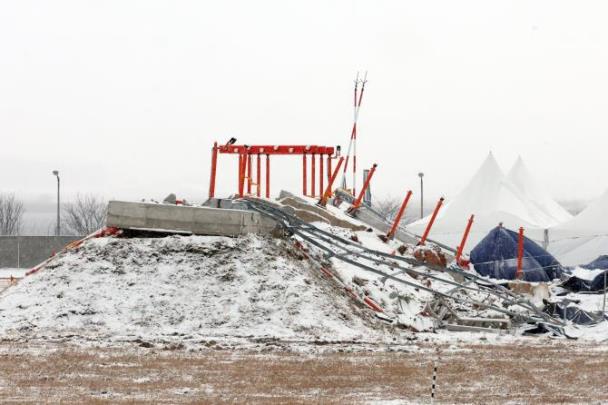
{"x": 537, "y": 193}
{"x": 493, "y": 199}
{"x": 583, "y": 238}
{"x": 593, "y": 219}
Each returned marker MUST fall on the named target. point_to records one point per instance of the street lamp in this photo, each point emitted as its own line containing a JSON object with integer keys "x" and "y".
{"x": 58, "y": 228}
{"x": 421, "y": 175}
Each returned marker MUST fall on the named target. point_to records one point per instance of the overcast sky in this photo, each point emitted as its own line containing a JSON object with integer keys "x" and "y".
{"x": 125, "y": 98}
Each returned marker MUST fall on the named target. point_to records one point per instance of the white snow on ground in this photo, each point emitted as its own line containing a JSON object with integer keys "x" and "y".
{"x": 184, "y": 286}
{"x": 195, "y": 287}
{"x": 586, "y": 274}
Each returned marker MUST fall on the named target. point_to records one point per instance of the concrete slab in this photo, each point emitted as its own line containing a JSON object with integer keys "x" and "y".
{"x": 195, "y": 220}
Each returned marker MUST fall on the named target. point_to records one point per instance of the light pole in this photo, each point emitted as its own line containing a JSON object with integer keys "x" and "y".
{"x": 421, "y": 175}
{"x": 58, "y": 228}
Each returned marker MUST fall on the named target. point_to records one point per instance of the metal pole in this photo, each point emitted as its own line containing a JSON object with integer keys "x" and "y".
{"x": 520, "y": 254}
{"x": 249, "y": 174}
{"x": 460, "y": 247}
{"x": 304, "y": 180}
{"x": 267, "y": 176}
{"x": 321, "y": 175}
{"x": 327, "y": 194}
{"x": 58, "y": 228}
{"x": 238, "y": 188}
{"x": 391, "y": 233}
{"x": 258, "y": 176}
{"x": 421, "y": 175}
{"x": 430, "y": 224}
{"x": 353, "y": 208}
{"x": 213, "y": 170}
{"x": 313, "y": 172}
{"x": 604, "y": 305}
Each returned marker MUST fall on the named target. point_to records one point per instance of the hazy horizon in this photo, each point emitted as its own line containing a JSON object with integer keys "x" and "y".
{"x": 126, "y": 98}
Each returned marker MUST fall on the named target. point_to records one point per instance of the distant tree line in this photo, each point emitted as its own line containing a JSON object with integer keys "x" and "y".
{"x": 85, "y": 215}
{"x": 11, "y": 214}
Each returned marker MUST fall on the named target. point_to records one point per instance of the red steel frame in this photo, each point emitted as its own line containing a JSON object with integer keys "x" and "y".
{"x": 431, "y": 222}
{"x": 245, "y": 169}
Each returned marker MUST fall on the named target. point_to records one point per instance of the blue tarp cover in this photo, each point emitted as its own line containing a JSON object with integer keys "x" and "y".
{"x": 496, "y": 256}
{"x": 599, "y": 263}
{"x": 576, "y": 284}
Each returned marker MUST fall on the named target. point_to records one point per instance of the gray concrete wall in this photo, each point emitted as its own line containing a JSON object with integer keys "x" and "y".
{"x": 195, "y": 220}
{"x": 28, "y": 251}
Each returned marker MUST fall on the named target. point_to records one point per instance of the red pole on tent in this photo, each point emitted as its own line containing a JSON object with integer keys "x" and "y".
{"x": 464, "y": 240}
{"x": 267, "y": 176}
{"x": 213, "y": 170}
{"x": 321, "y": 174}
{"x": 327, "y": 194}
{"x": 329, "y": 172}
{"x": 353, "y": 209}
{"x": 304, "y": 169}
{"x": 397, "y": 221}
{"x": 259, "y": 176}
{"x": 430, "y": 224}
{"x": 520, "y": 255}
{"x": 313, "y": 172}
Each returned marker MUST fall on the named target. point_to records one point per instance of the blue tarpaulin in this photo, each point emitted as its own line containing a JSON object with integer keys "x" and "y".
{"x": 496, "y": 256}
{"x": 601, "y": 263}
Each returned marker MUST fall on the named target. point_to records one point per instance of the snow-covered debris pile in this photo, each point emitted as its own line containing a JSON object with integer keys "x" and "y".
{"x": 191, "y": 286}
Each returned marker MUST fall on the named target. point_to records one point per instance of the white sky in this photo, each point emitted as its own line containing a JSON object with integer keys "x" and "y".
{"x": 125, "y": 98}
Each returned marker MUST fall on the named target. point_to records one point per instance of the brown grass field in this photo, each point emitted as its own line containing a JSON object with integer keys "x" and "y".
{"x": 556, "y": 372}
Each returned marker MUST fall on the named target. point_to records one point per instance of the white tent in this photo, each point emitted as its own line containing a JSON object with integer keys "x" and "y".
{"x": 583, "y": 238}
{"x": 493, "y": 199}
{"x": 537, "y": 193}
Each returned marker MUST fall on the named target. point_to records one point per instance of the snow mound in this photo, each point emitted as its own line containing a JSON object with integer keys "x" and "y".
{"x": 191, "y": 286}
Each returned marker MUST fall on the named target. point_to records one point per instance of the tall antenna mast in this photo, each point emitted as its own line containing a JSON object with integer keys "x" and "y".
{"x": 352, "y": 146}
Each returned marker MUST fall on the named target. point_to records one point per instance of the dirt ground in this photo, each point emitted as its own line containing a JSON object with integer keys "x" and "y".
{"x": 65, "y": 373}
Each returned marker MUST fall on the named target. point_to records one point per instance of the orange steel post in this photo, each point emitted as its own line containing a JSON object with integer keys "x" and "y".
{"x": 304, "y": 170}
{"x": 353, "y": 209}
{"x": 243, "y": 171}
{"x": 313, "y": 172}
{"x": 397, "y": 221}
{"x": 321, "y": 174}
{"x": 464, "y": 240}
{"x": 238, "y": 188}
{"x": 213, "y": 170}
{"x": 249, "y": 174}
{"x": 267, "y": 176}
{"x": 520, "y": 255}
{"x": 327, "y": 194}
{"x": 430, "y": 224}
{"x": 258, "y": 176}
